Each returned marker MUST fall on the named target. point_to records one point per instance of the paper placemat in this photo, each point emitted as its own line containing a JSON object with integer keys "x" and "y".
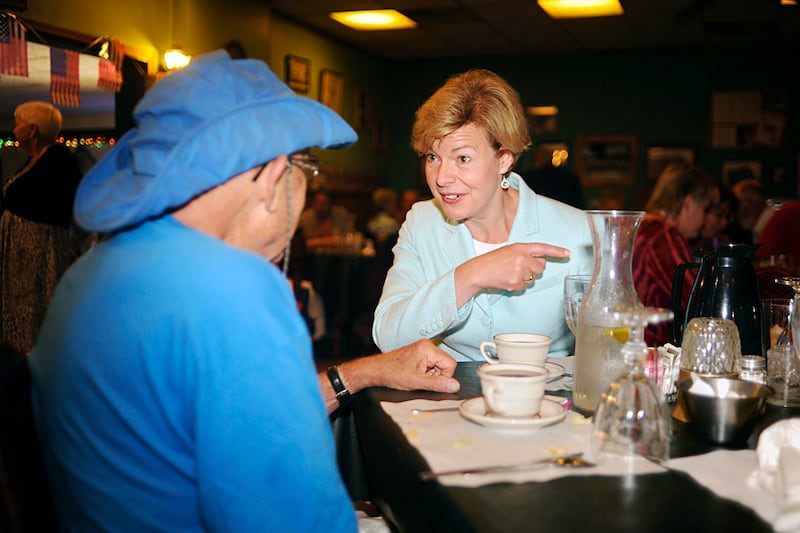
{"x": 448, "y": 441}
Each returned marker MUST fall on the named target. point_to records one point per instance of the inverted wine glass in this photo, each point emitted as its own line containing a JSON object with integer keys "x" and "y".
{"x": 631, "y": 419}
{"x": 794, "y": 319}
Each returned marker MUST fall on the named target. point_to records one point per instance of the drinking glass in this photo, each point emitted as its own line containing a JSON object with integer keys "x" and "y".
{"x": 794, "y": 283}
{"x": 776, "y": 328}
{"x": 794, "y": 320}
{"x": 575, "y": 286}
{"x": 631, "y": 419}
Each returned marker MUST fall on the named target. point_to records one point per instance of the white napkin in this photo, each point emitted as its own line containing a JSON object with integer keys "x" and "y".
{"x": 766, "y": 480}
{"x": 725, "y": 473}
{"x": 447, "y": 441}
{"x": 371, "y": 524}
{"x": 778, "y": 471}
{"x": 704, "y": 388}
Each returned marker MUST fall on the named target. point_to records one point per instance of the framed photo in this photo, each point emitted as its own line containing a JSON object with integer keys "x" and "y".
{"x": 607, "y": 160}
{"x": 736, "y": 171}
{"x": 362, "y": 110}
{"x": 658, "y": 157}
{"x": 380, "y": 136}
{"x": 298, "y": 73}
{"x": 331, "y": 89}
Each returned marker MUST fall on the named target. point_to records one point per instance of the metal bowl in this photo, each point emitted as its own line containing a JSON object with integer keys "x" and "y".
{"x": 726, "y": 419}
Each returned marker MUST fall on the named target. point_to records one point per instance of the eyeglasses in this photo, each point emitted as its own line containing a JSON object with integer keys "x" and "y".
{"x": 309, "y": 165}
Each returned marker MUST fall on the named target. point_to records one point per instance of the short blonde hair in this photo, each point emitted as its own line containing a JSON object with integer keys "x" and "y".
{"x": 676, "y": 182}
{"x": 478, "y": 97}
{"x": 44, "y": 116}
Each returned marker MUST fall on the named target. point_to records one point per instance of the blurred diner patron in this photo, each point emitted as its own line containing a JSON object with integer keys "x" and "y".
{"x": 173, "y": 382}
{"x": 324, "y": 223}
{"x": 675, "y": 213}
{"x": 407, "y": 199}
{"x": 36, "y": 244}
{"x": 779, "y": 239}
{"x": 557, "y": 182}
{"x": 717, "y": 222}
{"x": 383, "y": 225}
{"x": 486, "y": 254}
{"x": 753, "y": 213}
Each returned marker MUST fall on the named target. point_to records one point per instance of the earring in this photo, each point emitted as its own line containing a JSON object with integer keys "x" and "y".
{"x": 504, "y": 184}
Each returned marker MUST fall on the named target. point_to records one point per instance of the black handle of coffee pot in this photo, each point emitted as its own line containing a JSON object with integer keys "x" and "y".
{"x": 677, "y": 290}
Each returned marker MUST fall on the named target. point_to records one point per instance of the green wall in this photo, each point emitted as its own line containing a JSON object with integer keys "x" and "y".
{"x": 360, "y": 72}
{"x": 659, "y": 97}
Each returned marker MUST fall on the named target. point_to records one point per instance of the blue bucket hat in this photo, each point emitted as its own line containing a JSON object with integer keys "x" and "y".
{"x": 196, "y": 129}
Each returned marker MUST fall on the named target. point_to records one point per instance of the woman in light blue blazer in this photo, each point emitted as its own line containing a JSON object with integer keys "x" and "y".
{"x": 486, "y": 254}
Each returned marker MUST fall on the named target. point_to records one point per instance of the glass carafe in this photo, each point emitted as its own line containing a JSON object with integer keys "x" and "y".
{"x": 598, "y": 345}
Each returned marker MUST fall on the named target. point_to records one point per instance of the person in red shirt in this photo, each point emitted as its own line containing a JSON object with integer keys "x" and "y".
{"x": 675, "y": 214}
{"x": 779, "y": 236}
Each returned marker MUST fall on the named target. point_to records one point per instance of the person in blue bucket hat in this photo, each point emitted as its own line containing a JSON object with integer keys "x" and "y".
{"x": 174, "y": 386}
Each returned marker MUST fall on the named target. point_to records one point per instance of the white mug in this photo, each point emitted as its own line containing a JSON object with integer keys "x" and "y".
{"x": 512, "y": 390}
{"x": 530, "y": 348}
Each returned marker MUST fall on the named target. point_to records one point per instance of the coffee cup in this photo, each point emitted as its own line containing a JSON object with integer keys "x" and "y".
{"x": 512, "y": 390}
{"x": 529, "y": 348}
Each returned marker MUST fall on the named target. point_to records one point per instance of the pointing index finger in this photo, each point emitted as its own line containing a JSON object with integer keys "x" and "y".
{"x": 538, "y": 249}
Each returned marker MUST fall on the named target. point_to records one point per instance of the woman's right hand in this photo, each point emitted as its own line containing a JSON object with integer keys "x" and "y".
{"x": 511, "y": 268}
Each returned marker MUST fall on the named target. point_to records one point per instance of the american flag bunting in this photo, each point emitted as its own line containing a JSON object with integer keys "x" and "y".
{"x": 109, "y": 75}
{"x": 65, "y": 86}
{"x": 13, "y": 46}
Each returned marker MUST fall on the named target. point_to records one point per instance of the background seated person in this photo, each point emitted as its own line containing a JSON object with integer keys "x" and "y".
{"x": 675, "y": 213}
{"x": 323, "y": 223}
{"x": 383, "y": 225}
{"x": 556, "y": 182}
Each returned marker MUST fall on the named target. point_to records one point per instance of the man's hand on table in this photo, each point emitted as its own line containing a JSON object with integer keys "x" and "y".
{"x": 418, "y": 366}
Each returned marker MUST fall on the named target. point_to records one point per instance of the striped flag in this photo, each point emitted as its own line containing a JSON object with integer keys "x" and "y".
{"x": 13, "y": 46}
{"x": 109, "y": 75}
{"x": 65, "y": 84}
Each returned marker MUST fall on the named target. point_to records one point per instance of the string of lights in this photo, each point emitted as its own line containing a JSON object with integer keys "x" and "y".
{"x": 98, "y": 142}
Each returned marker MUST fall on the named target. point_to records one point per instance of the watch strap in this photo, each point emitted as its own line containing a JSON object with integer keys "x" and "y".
{"x": 342, "y": 394}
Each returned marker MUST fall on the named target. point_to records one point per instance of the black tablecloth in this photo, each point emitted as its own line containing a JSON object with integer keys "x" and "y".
{"x": 387, "y": 469}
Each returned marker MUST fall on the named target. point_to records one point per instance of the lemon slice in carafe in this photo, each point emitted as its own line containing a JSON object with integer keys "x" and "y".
{"x": 619, "y": 334}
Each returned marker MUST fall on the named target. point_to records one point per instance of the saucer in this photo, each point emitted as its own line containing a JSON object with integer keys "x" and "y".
{"x": 474, "y": 410}
{"x": 554, "y": 370}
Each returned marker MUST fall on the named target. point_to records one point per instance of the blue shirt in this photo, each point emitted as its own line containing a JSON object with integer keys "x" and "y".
{"x": 174, "y": 390}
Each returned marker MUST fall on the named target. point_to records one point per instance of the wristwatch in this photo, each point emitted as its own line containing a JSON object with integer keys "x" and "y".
{"x": 342, "y": 394}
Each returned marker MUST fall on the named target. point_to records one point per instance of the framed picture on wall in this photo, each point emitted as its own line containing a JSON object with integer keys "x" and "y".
{"x": 362, "y": 110}
{"x": 658, "y": 157}
{"x": 607, "y": 160}
{"x": 736, "y": 171}
{"x": 298, "y": 73}
{"x": 331, "y": 89}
